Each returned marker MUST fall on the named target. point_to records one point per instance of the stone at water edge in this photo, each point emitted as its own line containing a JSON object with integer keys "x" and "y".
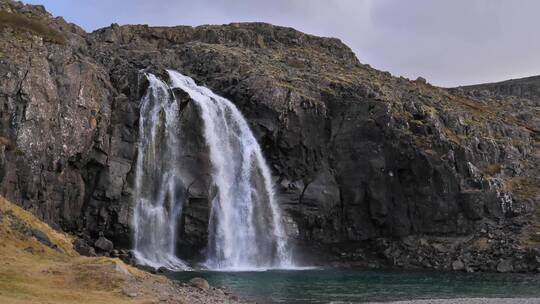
{"x": 458, "y": 265}
{"x": 505, "y": 266}
{"x": 199, "y": 283}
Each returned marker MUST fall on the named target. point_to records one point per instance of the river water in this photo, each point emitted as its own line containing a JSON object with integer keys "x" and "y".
{"x": 358, "y": 285}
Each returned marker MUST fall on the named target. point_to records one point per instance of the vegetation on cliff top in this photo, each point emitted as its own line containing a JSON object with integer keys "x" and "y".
{"x": 20, "y": 22}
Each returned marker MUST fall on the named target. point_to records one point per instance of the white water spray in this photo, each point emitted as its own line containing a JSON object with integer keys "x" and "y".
{"x": 245, "y": 229}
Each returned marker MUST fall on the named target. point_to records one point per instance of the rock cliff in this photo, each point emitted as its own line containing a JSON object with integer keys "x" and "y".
{"x": 528, "y": 87}
{"x": 368, "y": 167}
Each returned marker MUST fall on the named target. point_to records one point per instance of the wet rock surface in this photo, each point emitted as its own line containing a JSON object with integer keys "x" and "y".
{"x": 370, "y": 169}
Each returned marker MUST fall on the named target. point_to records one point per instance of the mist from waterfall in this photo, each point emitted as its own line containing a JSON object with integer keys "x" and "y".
{"x": 158, "y": 188}
{"x": 245, "y": 229}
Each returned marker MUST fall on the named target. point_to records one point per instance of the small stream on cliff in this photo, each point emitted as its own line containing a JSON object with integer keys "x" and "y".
{"x": 359, "y": 285}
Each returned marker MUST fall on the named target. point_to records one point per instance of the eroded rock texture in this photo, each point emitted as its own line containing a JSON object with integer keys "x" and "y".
{"x": 365, "y": 163}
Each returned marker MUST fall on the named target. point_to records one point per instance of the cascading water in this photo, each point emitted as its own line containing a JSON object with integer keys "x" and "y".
{"x": 245, "y": 229}
{"x": 158, "y": 188}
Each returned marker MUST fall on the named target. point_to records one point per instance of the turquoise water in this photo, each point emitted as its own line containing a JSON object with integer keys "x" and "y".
{"x": 346, "y": 285}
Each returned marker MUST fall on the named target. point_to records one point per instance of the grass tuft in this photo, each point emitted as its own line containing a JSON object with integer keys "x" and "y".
{"x": 493, "y": 169}
{"x": 5, "y": 141}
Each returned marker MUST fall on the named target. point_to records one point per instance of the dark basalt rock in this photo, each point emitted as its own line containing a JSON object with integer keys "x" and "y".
{"x": 104, "y": 245}
{"x": 505, "y": 266}
{"x": 362, "y": 160}
{"x": 42, "y": 237}
{"x": 458, "y": 265}
{"x": 83, "y": 248}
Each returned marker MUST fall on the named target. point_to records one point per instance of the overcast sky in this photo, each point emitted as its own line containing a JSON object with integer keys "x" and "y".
{"x": 449, "y": 42}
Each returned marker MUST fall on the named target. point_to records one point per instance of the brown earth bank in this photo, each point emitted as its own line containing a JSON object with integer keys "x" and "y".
{"x": 39, "y": 265}
{"x": 371, "y": 170}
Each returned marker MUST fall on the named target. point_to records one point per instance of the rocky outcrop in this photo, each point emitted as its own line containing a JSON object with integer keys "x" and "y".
{"x": 363, "y": 161}
{"x": 528, "y": 87}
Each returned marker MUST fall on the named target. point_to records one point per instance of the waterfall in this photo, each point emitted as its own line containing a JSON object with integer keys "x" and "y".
{"x": 158, "y": 188}
{"x": 245, "y": 229}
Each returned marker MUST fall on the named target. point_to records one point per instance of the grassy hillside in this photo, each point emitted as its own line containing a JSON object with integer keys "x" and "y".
{"x": 43, "y": 267}
{"x": 39, "y": 265}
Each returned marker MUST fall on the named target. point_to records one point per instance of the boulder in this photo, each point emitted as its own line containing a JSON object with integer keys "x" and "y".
{"x": 421, "y": 79}
{"x": 83, "y": 248}
{"x": 199, "y": 283}
{"x": 104, "y": 245}
{"x": 458, "y": 265}
{"x": 130, "y": 291}
{"x": 505, "y": 265}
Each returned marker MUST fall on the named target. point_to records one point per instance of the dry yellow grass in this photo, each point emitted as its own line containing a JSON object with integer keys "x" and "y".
{"x": 4, "y": 141}
{"x": 493, "y": 169}
{"x": 31, "y": 272}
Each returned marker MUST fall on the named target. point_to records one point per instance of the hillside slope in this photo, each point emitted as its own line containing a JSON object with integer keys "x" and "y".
{"x": 39, "y": 265}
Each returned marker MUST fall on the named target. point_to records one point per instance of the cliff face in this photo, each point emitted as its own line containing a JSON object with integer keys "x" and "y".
{"x": 56, "y": 109}
{"x": 362, "y": 160}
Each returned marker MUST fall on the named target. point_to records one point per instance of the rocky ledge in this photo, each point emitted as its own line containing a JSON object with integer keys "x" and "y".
{"x": 370, "y": 169}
